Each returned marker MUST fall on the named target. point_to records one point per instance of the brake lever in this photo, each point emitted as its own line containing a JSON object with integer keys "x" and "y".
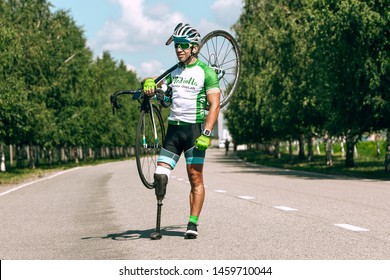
{"x": 114, "y": 104}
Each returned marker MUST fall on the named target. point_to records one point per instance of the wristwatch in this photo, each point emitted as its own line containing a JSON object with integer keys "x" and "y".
{"x": 206, "y": 132}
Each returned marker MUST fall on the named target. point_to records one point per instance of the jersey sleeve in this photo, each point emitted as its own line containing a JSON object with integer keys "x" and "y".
{"x": 211, "y": 79}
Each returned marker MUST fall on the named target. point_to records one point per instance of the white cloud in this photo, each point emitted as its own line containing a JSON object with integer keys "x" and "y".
{"x": 151, "y": 68}
{"x": 206, "y": 26}
{"x": 226, "y": 10}
{"x": 138, "y": 34}
{"x": 138, "y": 28}
{"x": 130, "y": 67}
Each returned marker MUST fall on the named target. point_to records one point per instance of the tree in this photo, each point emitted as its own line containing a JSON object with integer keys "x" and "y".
{"x": 353, "y": 54}
{"x": 53, "y": 94}
{"x": 275, "y": 59}
{"x": 13, "y": 91}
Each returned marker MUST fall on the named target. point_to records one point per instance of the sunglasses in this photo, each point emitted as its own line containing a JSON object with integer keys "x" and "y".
{"x": 183, "y": 46}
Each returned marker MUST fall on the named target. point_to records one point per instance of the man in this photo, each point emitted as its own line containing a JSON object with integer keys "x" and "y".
{"x": 193, "y": 84}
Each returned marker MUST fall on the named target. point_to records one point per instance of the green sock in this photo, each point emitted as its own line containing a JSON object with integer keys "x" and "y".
{"x": 194, "y": 219}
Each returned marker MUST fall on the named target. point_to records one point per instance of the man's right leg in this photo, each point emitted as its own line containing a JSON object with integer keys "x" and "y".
{"x": 165, "y": 163}
{"x": 160, "y": 187}
{"x": 161, "y": 177}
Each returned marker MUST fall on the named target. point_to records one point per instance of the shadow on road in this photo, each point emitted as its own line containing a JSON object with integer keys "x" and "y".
{"x": 247, "y": 167}
{"x": 140, "y": 234}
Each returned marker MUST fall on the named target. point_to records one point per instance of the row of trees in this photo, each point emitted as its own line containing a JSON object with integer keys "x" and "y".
{"x": 54, "y": 95}
{"x": 312, "y": 68}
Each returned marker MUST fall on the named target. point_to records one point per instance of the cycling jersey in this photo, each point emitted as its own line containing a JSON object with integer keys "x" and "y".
{"x": 189, "y": 86}
{"x": 189, "y": 98}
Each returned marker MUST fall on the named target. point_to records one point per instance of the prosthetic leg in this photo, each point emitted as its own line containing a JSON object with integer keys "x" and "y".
{"x": 160, "y": 188}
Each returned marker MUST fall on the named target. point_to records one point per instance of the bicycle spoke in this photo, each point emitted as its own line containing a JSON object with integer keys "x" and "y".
{"x": 220, "y": 51}
{"x": 150, "y": 132}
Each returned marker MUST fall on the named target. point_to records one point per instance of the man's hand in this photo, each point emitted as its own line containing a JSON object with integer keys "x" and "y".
{"x": 202, "y": 142}
{"x": 149, "y": 86}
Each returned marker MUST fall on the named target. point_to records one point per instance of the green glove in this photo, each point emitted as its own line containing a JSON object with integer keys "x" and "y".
{"x": 202, "y": 142}
{"x": 149, "y": 84}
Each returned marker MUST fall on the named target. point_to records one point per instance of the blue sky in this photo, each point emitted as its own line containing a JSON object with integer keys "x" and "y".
{"x": 135, "y": 31}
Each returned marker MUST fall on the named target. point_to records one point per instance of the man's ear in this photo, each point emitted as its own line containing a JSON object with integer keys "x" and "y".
{"x": 195, "y": 49}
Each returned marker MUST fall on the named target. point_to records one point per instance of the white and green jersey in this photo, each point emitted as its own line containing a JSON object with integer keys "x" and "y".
{"x": 189, "y": 86}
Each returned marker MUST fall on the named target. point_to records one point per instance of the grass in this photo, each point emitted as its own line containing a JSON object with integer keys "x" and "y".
{"x": 15, "y": 175}
{"x": 367, "y": 165}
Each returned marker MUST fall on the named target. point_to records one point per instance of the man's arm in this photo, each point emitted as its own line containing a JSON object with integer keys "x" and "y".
{"x": 213, "y": 98}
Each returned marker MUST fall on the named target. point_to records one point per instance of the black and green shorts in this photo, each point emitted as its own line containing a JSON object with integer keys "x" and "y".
{"x": 179, "y": 139}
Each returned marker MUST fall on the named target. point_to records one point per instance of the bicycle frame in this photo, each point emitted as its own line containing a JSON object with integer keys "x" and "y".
{"x": 146, "y": 106}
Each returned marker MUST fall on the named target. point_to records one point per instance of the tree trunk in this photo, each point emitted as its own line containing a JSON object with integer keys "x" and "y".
{"x": 19, "y": 156}
{"x": 350, "y": 143}
{"x": 301, "y": 154}
{"x": 31, "y": 151}
{"x": 2, "y": 158}
{"x": 64, "y": 156}
{"x": 378, "y": 148}
{"x": 277, "y": 153}
{"x": 387, "y": 157}
{"x": 342, "y": 142}
{"x": 290, "y": 150}
{"x": 318, "y": 147}
{"x": 310, "y": 150}
{"x": 50, "y": 156}
{"x": 75, "y": 154}
{"x": 328, "y": 151}
{"x": 11, "y": 155}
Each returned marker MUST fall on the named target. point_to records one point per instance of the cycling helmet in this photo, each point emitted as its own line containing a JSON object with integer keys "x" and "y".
{"x": 185, "y": 33}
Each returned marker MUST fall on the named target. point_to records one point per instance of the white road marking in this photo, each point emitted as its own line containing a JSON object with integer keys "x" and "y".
{"x": 180, "y": 179}
{"x": 246, "y": 197}
{"x": 285, "y": 208}
{"x": 351, "y": 227}
{"x": 220, "y": 191}
{"x": 37, "y": 181}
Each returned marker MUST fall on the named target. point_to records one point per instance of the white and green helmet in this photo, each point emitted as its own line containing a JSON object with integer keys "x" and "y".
{"x": 185, "y": 33}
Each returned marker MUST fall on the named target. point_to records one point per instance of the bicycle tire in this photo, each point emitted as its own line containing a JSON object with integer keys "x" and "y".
{"x": 220, "y": 51}
{"x": 147, "y": 147}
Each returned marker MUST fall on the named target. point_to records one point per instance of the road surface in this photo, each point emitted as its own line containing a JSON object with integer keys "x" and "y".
{"x": 250, "y": 212}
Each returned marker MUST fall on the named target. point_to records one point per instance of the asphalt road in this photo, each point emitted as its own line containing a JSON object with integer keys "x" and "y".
{"x": 250, "y": 212}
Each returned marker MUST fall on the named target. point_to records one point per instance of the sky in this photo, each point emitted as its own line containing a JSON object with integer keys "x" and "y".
{"x": 135, "y": 31}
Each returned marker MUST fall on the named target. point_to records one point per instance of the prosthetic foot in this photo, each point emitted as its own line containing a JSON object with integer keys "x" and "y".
{"x": 160, "y": 187}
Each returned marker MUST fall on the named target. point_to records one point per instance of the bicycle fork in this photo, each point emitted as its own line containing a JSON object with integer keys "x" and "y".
{"x": 155, "y": 134}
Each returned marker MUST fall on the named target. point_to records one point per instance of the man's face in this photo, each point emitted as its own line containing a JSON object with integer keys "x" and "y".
{"x": 183, "y": 51}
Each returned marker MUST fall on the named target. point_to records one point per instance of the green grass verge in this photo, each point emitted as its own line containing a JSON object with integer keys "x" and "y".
{"x": 368, "y": 166}
{"x": 15, "y": 175}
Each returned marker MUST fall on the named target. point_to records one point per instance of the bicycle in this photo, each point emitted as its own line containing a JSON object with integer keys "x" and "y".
{"x": 220, "y": 51}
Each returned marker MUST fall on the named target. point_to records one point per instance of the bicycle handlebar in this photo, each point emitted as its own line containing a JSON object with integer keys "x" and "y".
{"x": 137, "y": 94}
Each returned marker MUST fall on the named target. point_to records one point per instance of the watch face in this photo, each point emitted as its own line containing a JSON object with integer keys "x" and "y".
{"x": 207, "y": 132}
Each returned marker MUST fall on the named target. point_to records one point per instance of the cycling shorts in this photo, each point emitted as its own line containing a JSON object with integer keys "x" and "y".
{"x": 179, "y": 139}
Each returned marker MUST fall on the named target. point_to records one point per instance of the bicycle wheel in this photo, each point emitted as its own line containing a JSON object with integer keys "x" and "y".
{"x": 149, "y": 139}
{"x": 220, "y": 51}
